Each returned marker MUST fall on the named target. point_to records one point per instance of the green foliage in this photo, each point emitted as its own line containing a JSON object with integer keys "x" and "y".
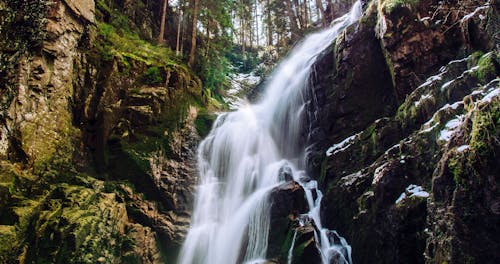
{"x": 214, "y": 72}
{"x": 244, "y": 62}
{"x": 152, "y": 76}
{"x": 211, "y": 63}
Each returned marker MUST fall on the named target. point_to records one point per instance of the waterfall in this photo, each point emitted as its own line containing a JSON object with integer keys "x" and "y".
{"x": 240, "y": 160}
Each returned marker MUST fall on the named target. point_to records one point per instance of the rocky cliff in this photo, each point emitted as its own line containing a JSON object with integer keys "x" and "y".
{"x": 98, "y": 133}
{"x": 404, "y": 132}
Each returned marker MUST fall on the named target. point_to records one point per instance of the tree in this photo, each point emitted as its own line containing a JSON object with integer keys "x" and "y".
{"x": 193, "y": 33}
{"x": 321, "y": 10}
{"x": 179, "y": 28}
{"x": 161, "y": 38}
{"x": 269, "y": 24}
{"x": 291, "y": 16}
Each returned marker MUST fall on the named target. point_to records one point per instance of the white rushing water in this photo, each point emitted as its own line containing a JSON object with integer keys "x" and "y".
{"x": 240, "y": 160}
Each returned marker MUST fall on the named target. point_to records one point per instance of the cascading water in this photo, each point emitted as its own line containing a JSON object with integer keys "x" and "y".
{"x": 240, "y": 160}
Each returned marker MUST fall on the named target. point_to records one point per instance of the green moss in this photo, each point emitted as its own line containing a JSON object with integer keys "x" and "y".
{"x": 456, "y": 166}
{"x": 390, "y": 67}
{"x": 287, "y": 243}
{"x": 203, "y": 122}
{"x": 298, "y": 251}
{"x": 370, "y": 20}
{"x": 121, "y": 44}
{"x": 485, "y": 130}
{"x": 487, "y": 67}
{"x": 8, "y": 243}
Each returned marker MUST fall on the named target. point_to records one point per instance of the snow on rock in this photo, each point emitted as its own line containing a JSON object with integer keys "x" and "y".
{"x": 473, "y": 13}
{"x": 377, "y": 175}
{"x": 450, "y": 128}
{"x": 492, "y": 94}
{"x": 463, "y": 148}
{"x": 423, "y": 98}
{"x": 336, "y": 148}
{"x": 239, "y": 82}
{"x": 453, "y": 106}
{"x": 432, "y": 79}
{"x": 427, "y": 126}
{"x": 446, "y": 85}
{"x": 413, "y": 191}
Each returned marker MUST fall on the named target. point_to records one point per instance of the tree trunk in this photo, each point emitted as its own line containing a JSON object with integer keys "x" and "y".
{"x": 269, "y": 26}
{"x": 291, "y": 16}
{"x": 208, "y": 39}
{"x": 296, "y": 7}
{"x": 242, "y": 37}
{"x": 330, "y": 3}
{"x": 321, "y": 10}
{"x": 161, "y": 38}
{"x": 179, "y": 22}
{"x": 193, "y": 34}
{"x": 306, "y": 15}
{"x": 256, "y": 19}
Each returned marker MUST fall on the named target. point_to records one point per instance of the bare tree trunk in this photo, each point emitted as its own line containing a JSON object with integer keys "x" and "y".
{"x": 256, "y": 16}
{"x": 208, "y": 38}
{"x": 161, "y": 38}
{"x": 306, "y": 14}
{"x": 330, "y": 3}
{"x": 179, "y": 23}
{"x": 298, "y": 13}
{"x": 291, "y": 16}
{"x": 242, "y": 35}
{"x": 193, "y": 35}
{"x": 183, "y": 32}
{"x": 269, "y": 26}
{"x": 321, "y": 10}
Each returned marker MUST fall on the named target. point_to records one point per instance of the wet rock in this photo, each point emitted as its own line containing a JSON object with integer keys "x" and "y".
{"x": 285, "y": 173}
{"x": 287, "y": 202}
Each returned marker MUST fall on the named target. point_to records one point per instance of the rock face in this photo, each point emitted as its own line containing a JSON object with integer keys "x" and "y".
{"x": 403, "y": 133}
{"x": 97, "y": 145}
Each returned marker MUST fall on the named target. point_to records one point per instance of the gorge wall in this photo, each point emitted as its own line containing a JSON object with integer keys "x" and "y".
{"x": 403, "y": 133}
{"x": 98, "y": 134}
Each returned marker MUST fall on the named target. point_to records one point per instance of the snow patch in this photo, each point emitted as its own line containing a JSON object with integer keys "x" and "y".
{"x": 429, "y": 128}
{"x": 446, "y": 85}
{"x": 470, "y": 15}
{"x": 413, "y": 191}
{"x": 458, "y": 61}
{"x": 453, "y": 106}
{"x": 423, "y": 98}
{"x": 346, "y": 143}
{"x": 494, "y": 93}
{"x": 463, "y": 148}
{"x": 431, "y": 80}
{"x": 450, "y": 128}
{"x": 425, "y": 19}
{"x": 377, "y": 175}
